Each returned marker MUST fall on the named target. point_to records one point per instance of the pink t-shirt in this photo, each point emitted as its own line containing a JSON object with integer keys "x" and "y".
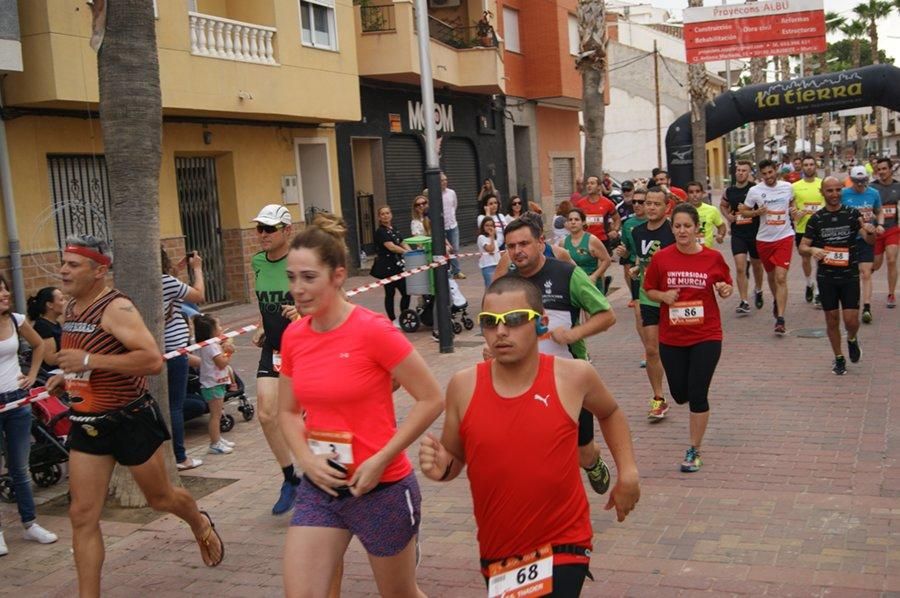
{"x": 342, "y": 378}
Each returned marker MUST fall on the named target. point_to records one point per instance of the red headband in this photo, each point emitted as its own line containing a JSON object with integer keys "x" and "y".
{"x": 90, "y": 254}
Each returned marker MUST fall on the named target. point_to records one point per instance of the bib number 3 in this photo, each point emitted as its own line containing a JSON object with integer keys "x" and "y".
{"x": 323, "y": 442}
{"x": 530, "y": 576}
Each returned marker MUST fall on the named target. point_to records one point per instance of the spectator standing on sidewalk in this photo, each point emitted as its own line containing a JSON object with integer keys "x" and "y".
{"x": 177, "y": 336}
{"x": 451, "y": 226}
{"x": 15, "y": 425}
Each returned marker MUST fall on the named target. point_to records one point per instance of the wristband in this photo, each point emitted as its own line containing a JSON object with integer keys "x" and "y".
{"x": 87, "y": 357}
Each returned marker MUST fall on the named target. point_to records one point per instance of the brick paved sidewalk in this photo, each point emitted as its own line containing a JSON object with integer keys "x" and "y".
{"x": 799, "y": 493}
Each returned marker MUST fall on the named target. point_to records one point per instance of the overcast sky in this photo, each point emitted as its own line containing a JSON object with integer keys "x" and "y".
{"x": 889, "y": 26}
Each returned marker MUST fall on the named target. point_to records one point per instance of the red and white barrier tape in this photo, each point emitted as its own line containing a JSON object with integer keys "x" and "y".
{"x": 438, "y": 261}
{"x": 35, "y": 394}
{"x": 39, "y": 393}
{"x": 217, "y": 339}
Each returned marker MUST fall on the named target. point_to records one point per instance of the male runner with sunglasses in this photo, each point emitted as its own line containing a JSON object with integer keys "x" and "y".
{"x": 276, "y": 307}
{"x": 524, "y": 406}
{"x": 567, "y": 291}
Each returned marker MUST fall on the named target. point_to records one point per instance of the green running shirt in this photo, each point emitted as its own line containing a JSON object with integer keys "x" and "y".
{"x": 272, "y": 291}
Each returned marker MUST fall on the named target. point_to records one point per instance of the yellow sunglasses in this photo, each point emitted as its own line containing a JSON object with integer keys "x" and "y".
{"x": 511, "y": 319}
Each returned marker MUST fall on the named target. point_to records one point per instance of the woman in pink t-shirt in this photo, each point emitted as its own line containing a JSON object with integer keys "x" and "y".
{"x": 338, "y": 366}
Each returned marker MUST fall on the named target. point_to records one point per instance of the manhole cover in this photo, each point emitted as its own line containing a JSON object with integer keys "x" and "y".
{"x": 811, "y": 333}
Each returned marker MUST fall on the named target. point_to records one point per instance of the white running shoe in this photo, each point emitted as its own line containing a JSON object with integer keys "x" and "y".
{"x": 3, "y": 549}
{"x": 36, "y": 533}
{"x": 227, "y": 442}
{"x": 220, "y": 448}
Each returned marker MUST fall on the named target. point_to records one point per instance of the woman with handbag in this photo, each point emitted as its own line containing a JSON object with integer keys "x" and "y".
{"x": 389, "y": 250}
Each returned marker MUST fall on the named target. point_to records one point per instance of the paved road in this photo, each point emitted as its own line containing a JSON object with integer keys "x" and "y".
{"x": 799, "y": 493}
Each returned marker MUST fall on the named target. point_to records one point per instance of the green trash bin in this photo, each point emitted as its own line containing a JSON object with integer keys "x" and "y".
{"x": 421, "y": 283}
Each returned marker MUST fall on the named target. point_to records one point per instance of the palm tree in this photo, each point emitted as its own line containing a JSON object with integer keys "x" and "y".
{"x": 854, "y": 31}
{"x": 757, "y": 76}
{"x": 591, "y": 61}
{"x": 870, "y": 13}
{"x": 698, "y": 89}
{"x": 131, "y": 120}
{"x": 833, "y": 24}
{"x": 790, "y": 124}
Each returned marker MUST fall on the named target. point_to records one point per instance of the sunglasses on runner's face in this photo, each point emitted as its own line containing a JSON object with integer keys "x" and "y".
{"x": 517, "y": 203}
{"x": 510, "y": 319}
{"x": 266, "y": 228}
{"x": 637, "y": 201}
{"x": 421, "y": 204}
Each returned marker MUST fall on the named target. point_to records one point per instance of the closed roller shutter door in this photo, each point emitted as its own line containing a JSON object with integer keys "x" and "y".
{"x": 404, "y": 167}
{"x": 562, "y": 179}
{"x": 459, "y": 164}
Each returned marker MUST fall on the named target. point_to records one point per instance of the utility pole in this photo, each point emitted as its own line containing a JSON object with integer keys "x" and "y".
{"x": 659, "y": 162}
{"x": 433, "y": 182}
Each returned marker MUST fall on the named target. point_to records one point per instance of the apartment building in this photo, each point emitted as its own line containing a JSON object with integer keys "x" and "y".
{"x": 250, "y": 94}
{"x": 543, "y": 138}
{"x": 382, "y": 155}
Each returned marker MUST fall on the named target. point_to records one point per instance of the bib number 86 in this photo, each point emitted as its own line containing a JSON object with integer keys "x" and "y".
{"x": 529, "y": 573}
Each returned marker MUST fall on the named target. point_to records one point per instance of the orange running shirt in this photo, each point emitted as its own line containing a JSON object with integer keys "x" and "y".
{"x": 97, "y": 391}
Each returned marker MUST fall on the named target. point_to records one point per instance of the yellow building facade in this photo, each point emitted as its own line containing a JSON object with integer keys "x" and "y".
{"x": 250, "y": 93}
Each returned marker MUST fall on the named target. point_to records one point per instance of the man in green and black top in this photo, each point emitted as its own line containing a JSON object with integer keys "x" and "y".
{"x": 647, "y": 239}
{"x": 743, "y": 237}
{"x": 566, "y": 291}
{"x": 626, "y": 253}
{"x": 830, "y": 239}
{"x": 276, "y": 307}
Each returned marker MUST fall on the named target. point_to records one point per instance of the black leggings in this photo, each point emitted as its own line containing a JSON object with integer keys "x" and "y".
{"x": 389, "y": 289}
{"x": 690, "y": 371}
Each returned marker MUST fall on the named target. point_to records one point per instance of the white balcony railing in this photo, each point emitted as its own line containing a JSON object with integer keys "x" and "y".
{"x": 218, "y": 37}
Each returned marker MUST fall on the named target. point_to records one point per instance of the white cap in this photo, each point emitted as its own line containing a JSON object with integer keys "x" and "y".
{"x": 274, "y": 214}
{"x": 858, "y": 173}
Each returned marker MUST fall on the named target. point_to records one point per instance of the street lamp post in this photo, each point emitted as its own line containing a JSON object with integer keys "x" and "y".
{"x": 433, "y": 181}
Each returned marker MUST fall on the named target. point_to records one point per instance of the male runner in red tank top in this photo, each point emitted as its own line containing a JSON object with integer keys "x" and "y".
{"x": 106, "y": 354}
{"x": 540, "y": 512}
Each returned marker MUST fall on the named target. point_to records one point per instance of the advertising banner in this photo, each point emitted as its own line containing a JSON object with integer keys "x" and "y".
{"x": 875, "y": 85}
{"x": 769, "y": 28}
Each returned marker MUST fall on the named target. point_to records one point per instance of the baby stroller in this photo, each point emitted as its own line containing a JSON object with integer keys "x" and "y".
{"x": 410, "y": 319}
{"x": 50, "y": 430}
{"x": 195, "y": 406}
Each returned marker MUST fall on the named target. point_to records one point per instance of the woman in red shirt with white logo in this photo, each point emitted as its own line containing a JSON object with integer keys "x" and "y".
{"x": 685, "y": 278}
{"x": 336, "y": 407}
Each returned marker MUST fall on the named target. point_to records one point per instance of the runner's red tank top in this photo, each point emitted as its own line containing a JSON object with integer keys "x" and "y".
{"x": 99, "y": 391}
{"x": 522, "y": 459}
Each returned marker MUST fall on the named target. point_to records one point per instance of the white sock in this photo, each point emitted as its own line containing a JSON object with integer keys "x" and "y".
{"x": 810, "y": 281}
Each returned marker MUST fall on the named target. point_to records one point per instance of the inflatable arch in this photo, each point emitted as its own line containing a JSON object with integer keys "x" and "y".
{"x": 876, "y": 85}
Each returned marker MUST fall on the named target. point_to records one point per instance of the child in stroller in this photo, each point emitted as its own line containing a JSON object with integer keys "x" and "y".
{"x": 410, "y": 319}
{"x": 195, "y": 406}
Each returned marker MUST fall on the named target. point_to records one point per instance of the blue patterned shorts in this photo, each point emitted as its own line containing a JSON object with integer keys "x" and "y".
{"x": 385, "y": 519}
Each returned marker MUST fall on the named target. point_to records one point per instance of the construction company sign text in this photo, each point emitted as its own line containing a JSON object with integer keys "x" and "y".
{"x": 790, "y": 93}
{"x": 443, "y": 117}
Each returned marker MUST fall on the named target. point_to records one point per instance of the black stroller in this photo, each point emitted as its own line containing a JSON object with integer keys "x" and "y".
{"x": 195, "y": 406}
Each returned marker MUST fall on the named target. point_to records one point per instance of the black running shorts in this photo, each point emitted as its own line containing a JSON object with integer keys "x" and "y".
{"x": 741, "y": 244}
{"x": 267, "y": 367}
{"x": 838, "y": 293}
{"x": 130, "y": 441}
{"x": 649, "y": 315}
{"x": 585, "y": 427}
